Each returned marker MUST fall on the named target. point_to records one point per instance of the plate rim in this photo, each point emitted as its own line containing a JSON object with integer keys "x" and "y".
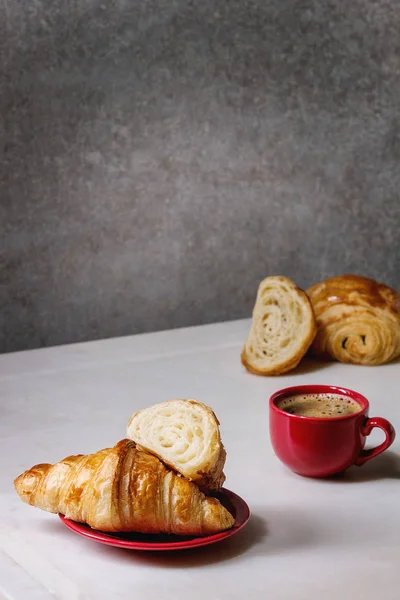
{"x": 193, "y": 542}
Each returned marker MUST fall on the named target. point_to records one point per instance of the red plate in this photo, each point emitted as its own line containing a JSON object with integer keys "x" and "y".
{"x": 140, "y": 541}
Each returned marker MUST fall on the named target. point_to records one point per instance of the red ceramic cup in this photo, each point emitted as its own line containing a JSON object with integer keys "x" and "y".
{"x": 320, "y": 447}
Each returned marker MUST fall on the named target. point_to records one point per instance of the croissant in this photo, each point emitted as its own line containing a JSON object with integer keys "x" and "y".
{"x": 185, "y": 435}
{"x": 122, "y": 489}
{"x": 282, "y": 329}
{"x": 358, "y": 320}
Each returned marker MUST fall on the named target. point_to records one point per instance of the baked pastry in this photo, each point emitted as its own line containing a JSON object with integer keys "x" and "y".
{"x": 282, "y": 328}
{"x": 358, "y": 320}
{"x": 185, "y": 435}
{"x": 122, "y": 489}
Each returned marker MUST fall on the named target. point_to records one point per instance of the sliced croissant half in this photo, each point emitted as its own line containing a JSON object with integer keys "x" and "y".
{"x": 282, "y": 328}
{"x": 185, "y": 435}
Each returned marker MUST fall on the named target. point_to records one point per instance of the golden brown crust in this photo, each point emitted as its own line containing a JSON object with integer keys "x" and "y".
{"x": 214, "y": 478}
{"x": 185, "y": 435}
{"x": 283, "y": 327}
{"x": 122, "y": 489}
{"x": 358, "y": 320}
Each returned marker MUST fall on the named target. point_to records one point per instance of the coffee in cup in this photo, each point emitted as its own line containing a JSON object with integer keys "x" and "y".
{"x": 322, "y": 406}
{"x": 321, "y": 430}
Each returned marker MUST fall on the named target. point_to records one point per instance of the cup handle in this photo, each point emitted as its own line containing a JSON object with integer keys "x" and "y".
{"x": 368, "y": 426}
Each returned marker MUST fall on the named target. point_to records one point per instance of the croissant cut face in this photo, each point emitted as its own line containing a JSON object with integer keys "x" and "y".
{"x": 282, "y": 329}
{"x": 358, "y": 320}
{"x": 185, "y": 435}
{"x": 123, "y": 489}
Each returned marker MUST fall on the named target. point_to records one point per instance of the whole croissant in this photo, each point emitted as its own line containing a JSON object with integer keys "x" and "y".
{"x": 122, "y": 489}
{"x": 358, "y": 320}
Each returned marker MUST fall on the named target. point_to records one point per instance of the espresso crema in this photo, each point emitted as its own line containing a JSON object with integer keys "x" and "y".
{"x": 320, "y": 406}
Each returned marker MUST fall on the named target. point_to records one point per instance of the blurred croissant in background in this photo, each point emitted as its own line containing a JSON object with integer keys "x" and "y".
{"x": 282, "y": 329}
{"x": 358, "y": 320}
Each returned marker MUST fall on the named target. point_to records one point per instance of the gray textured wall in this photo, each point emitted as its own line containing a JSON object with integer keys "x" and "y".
{"x": 159, "y": 157}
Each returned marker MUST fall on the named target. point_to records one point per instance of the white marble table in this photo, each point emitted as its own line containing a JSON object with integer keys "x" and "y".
{"x": 306, "y": 540}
